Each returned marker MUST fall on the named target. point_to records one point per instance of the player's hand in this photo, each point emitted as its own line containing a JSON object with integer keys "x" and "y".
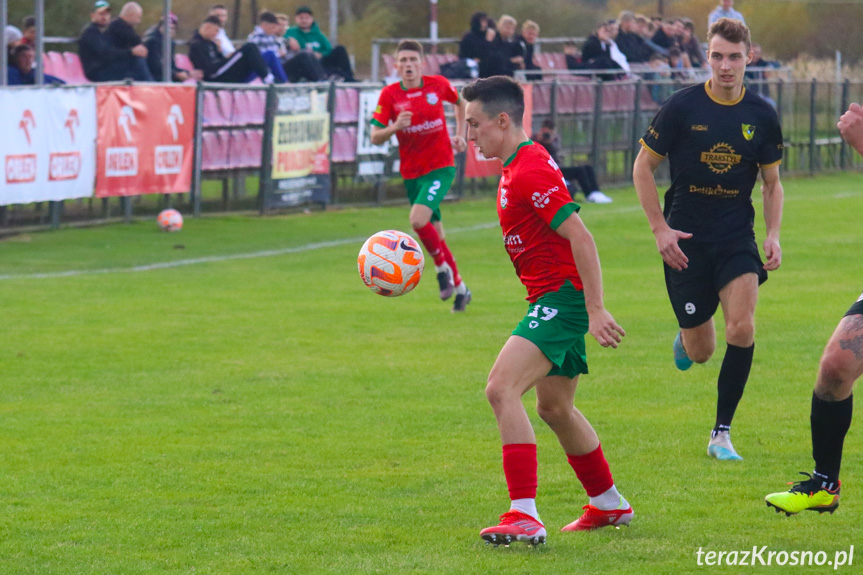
{"x": 672, "y": 255}
{"x": 459, "y": 143}
{"x": 604, "y": 329}
{"x": 403, "y": 120}
{"x": 773, "y": 253}
{"x": 851, "y": 127}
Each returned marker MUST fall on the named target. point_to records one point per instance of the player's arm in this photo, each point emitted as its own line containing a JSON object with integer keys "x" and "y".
{"x": 645, "y": 165}
{"x": 773, "y": 195}
{"x": 602, "y": 325}
{"x": 458, "y": 141}
{"x": 381, "y": 134}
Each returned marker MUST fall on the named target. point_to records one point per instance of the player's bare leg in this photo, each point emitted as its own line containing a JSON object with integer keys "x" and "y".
{"x": 554, "y": 403}
{"x": 519, "y": 364}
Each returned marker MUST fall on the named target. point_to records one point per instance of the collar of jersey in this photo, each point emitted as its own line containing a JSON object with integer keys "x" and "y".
{"x": 723, "y": 102}
{"x": 514, "y": 154}
{"x": 422, "y": 84}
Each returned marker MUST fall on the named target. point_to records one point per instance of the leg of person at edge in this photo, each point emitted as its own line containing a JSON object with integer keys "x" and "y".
{"x": 832, "y": 399}
{"x": 555, "y": 258}
{"x": 705, "y": 234}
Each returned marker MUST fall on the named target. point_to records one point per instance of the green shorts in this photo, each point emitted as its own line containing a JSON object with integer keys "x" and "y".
{"x": 557, "y": 323}
{"x": 430, "y": 189}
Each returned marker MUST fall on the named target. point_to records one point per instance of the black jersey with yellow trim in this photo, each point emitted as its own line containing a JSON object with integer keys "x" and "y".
{"x": 715, "y": 149}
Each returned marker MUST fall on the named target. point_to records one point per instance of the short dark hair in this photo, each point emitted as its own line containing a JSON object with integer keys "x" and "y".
{"x": 267, "y": 16}
{"x": 411, "y": 45}
{"x": 29, "y": 22}
{"x": 732, "y": 30}
{"x": 218, "y": 7}
{"x": 213, "y": 20}
{"x": 497, "y": 94}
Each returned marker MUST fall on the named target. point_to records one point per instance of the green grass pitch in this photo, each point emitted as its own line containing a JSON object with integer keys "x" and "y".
{"x": 245, "y": 405}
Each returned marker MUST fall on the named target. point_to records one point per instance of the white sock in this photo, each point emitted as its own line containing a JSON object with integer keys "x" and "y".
{"x": 526, "y": 506}
{"x": 461, "y": 288}
{"x": 609, "y": 500}
{"x": 444, "y": 267}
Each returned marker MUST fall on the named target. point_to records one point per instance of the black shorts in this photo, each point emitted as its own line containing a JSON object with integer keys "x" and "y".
{"x": 694, "y": 292}
{"x": 857, "y": 308}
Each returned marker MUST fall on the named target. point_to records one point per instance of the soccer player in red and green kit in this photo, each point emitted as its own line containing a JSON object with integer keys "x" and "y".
{"x": 555, "y": 258}
{"x": 413, "y": 110}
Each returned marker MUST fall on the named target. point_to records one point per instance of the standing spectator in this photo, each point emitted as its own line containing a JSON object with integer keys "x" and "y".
{"x": 225, "y": 45}
{"x": 28, "y": 31}
{"x": 506, "y": 47}
{"x": 153, "y": 43}
{"x": 476, "y": 45}
{"x": 121, "y": 34}
{"x": 308, "y": 35}
{"x": 529, "y": 34}
{"x": 629, "y": 41}
{"x": 241, "y": 67}
{"x": 21, "y": 70}
{"x": 724, "y": 10}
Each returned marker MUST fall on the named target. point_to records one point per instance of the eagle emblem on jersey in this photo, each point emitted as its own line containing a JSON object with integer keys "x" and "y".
{"x": 720, "y": 158}
{"x": 748, "y": 131}
{"x": 431, "y": 98}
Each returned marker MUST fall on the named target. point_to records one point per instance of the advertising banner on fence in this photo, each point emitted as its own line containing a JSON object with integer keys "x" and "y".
{"x": 477, "y": 165}
{"x": 300, "y": 171}
{"x": 373, "y": 161}
{"x": 146, "y": 139}
{"x": 47, "y": 144}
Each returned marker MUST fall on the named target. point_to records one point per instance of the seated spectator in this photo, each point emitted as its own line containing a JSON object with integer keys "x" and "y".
{"x": 505, "y": 46}
{"x": 600, "y": 52}
{"x": 99, "y": 57}
{"x": 299, "y": 65}
{"x": 690, "y": 44}
{"x": 122, "y": 36}
{"x": 659, "y": 70}
{"x": 153, "y": 42}
{"x": 756, "y": 72}
{"x": 679, "y": 63}
{"x": 11, "y": 38}
{"x": 28, "y": 31}
{"x": 272, "y": 47}
{"x": 225, "y": 44}
{"x": 475, "y": 45}
{"x": 529, "y": 34}
{"x": 583, "y": 174}
{"x": 573, "y": 57}
{"x": 666, "y": 35}
{"x": 645, "y": 28}
{"x": 241, "y": 67}
{"x": 724, "y": 10}
{"x": 629, "y": 41}
{"x": 21, "y": 70}
{"x": 308, "y": 35}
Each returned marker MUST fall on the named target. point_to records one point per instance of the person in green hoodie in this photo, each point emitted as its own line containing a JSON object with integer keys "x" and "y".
{"x": 308, "y": 35}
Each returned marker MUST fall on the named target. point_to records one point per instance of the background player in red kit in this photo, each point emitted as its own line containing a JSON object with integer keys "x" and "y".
{"x": 555, "y": 258}
{"x": 413, "y": 111}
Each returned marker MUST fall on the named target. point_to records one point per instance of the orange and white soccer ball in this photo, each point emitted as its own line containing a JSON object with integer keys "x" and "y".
{"x": 170, "y": 220}
{"x": 391, "y": 263}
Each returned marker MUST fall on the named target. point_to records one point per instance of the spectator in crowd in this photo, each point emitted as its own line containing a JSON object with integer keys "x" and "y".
{"x": 21, "y": 70}
{"x": 334, "y": 59}
{"x": 476, "y": 45}
{"x": 241, "y": 67}
{"x": 529, "y": 34}
{"x": 659, "y": 70}
{"x": 28, "y": 31}
{"x": 645, "y": 28}
{"x": 600, "y": 52}
{"x": 690, "y": 44}
{"x": 666, "y": 35}
{"x": 584, "y": 174}
{"x": 225, "y": 45}
{"x": 271, "y": 46}
{"x": 121, "y": 34}
{"x": 153, "y": 41}
{"x": 573, "y": 56}
{"x": 724, "y": 10}
{"x": 505, "y": 46}
{"x": 297, "y": 65}
{"x": 101, "y": 60}
{"x": 629, "y": 41}
{"x": 678, "y": 61}
{"x": 11, "y": 38}
{"x": 756, "y": 74}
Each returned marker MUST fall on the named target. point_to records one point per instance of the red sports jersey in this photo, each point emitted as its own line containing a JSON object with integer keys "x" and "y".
{"x": 532, "y": 200}
{"x": 424, "y": 146}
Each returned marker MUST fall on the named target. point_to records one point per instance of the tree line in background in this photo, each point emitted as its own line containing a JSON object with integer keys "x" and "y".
{"x": 784, "y": 28}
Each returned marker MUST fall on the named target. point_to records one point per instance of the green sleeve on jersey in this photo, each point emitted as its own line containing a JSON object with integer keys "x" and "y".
{"x": 374, "y": 122}
{"x": 564, "y": 212}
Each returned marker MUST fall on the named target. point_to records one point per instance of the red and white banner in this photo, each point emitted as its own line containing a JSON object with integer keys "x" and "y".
{"x": 47, "y": 144}
{"x": 146, "y": 139}
{"x": 477, "y": 165}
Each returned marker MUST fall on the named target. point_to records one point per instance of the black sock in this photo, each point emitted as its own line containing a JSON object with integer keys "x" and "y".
{"x": 732, "y": 380}
{"x": 830, "y": 421}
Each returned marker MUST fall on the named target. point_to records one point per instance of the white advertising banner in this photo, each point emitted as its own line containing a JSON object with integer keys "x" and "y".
{"x": 48, "y": 144}
{"x": 372, "y": 160}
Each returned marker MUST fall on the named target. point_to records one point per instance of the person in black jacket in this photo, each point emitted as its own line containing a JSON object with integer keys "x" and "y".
{"x": 476, "y": 44}
{"x": 153, "y": 41}
{"x": 121, "y": 34}
{"x": 96, "y": 51}
{"x": 629, "y": 41}
{"x": 238, "y": 69}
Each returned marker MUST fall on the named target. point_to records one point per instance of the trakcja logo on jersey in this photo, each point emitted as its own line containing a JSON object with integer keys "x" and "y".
{"x": 540, "y": 200}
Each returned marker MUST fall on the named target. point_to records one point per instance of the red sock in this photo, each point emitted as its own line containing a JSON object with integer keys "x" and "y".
{"x": 519, "y": 466}
{"x": 456, "y": 278}
{"x": 431, "y": 240}
{"x": 593, "y": 472}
